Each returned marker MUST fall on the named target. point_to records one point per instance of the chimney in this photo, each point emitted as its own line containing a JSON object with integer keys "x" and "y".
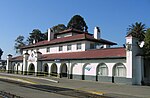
{"x": 34, "y": 41}
{"x": 96, "y": 33}
{"x": 50, "y": 34}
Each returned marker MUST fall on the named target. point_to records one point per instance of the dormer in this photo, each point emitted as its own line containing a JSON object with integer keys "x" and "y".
{"x": 68, "y": 32}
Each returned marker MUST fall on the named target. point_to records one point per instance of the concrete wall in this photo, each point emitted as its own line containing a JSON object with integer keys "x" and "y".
{"x": 134, "y": 62}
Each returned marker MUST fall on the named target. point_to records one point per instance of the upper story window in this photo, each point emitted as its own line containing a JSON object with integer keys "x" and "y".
{"x": 92, "y": 46}
{"x": 68, "y": 47}
{"x": 48, "y": 49}
{"x": 60, "y": 48}
{"x": 78, "y": 46}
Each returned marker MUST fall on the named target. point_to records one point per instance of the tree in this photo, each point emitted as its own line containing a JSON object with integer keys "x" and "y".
{"x": 77, "y": 22}
{"x": 1, "y": 53}
{"x": 19, "y": 42}
{"x": 36, "y": 36}
{"x": 137, "y": 30}
{"x": 147, "y": 42}
{"x": 58, "y": 28}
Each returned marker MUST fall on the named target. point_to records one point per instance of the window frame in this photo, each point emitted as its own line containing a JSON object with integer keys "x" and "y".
{"x": 69, "y": 47}
{"x": 120, "y": 70}
{"x": 60, "y": 48}
{"x": 47, "y": 49}
{"x": 102, "y": 73}
{"x": 79, "y": 46}
{"x": 92, "y": 45}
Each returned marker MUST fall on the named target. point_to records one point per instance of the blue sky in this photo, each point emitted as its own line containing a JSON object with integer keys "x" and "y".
{"x": 20, "y": 17}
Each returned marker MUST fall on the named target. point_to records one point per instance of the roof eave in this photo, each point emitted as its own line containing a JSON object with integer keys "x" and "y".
{"x": 114, "y": 57}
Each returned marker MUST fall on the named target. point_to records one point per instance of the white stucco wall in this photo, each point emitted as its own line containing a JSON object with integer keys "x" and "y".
{"x": 55, "y": 48}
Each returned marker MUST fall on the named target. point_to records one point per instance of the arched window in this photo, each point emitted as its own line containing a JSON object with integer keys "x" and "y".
{"x": 119, "y": 70}
{"x": 102, "y": 69}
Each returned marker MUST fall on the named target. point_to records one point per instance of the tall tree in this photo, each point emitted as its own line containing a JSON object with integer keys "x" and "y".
{"x": 36, "y": 36}
{"x": 1, "y": 53}
{"x": 77, "y": 22}
{"x": 19, "y": 42}
{"x": 147, "y": 42}
{"x": 137, "y": 30}
{"x": 58, "y": 28}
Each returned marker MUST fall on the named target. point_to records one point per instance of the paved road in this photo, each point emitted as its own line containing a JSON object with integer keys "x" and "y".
{"x": 108, "y": 89}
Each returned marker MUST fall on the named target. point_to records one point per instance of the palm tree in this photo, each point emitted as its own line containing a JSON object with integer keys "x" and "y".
{"x": 147, "y": 42}
{"x": 137, "y": 30}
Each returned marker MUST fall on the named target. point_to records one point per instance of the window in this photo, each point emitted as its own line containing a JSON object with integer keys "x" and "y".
{"x": 60, "y": 48}
{"x": 78, "y": 46}
{"x": 92, "y": 46}
{"x": 103, "y": 70}
{"x": 120, "y": 70}
{"x": 48, "y": 49}
{"x": 68, "y": 47}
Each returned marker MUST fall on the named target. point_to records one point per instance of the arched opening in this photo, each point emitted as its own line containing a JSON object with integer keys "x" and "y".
{"x": 45, "y": 69}
{"x": 74, "y": 71}
{"x": 63, "y": 70}
{"x": 119, "y": 70}
{"x": 101, "y": 70}
{"x": 86, "y": 67}
{"x": 31, "y": 69}
{"x": 53, "y": 70}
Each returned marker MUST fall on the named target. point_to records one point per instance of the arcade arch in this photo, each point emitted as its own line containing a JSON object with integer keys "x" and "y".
{"x": 31, "y": 69}
{"x": 85, "y": 67}
{"x": 54, "y": 70}
{"x": 63, "y": 70}
{"x": 119, "y": 70}
{"x": 102, "y": 70}
{"x": 45, "y": 69}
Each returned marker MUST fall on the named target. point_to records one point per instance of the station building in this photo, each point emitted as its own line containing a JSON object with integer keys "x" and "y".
{"x": 80, "y": 55}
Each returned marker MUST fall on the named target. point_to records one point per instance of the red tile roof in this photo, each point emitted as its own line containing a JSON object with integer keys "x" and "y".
{"x": 18, "y": 58}
{"x": 78, "y": 37}
{"x": 119, "y": 52}
{"x": 89, "y": 54}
